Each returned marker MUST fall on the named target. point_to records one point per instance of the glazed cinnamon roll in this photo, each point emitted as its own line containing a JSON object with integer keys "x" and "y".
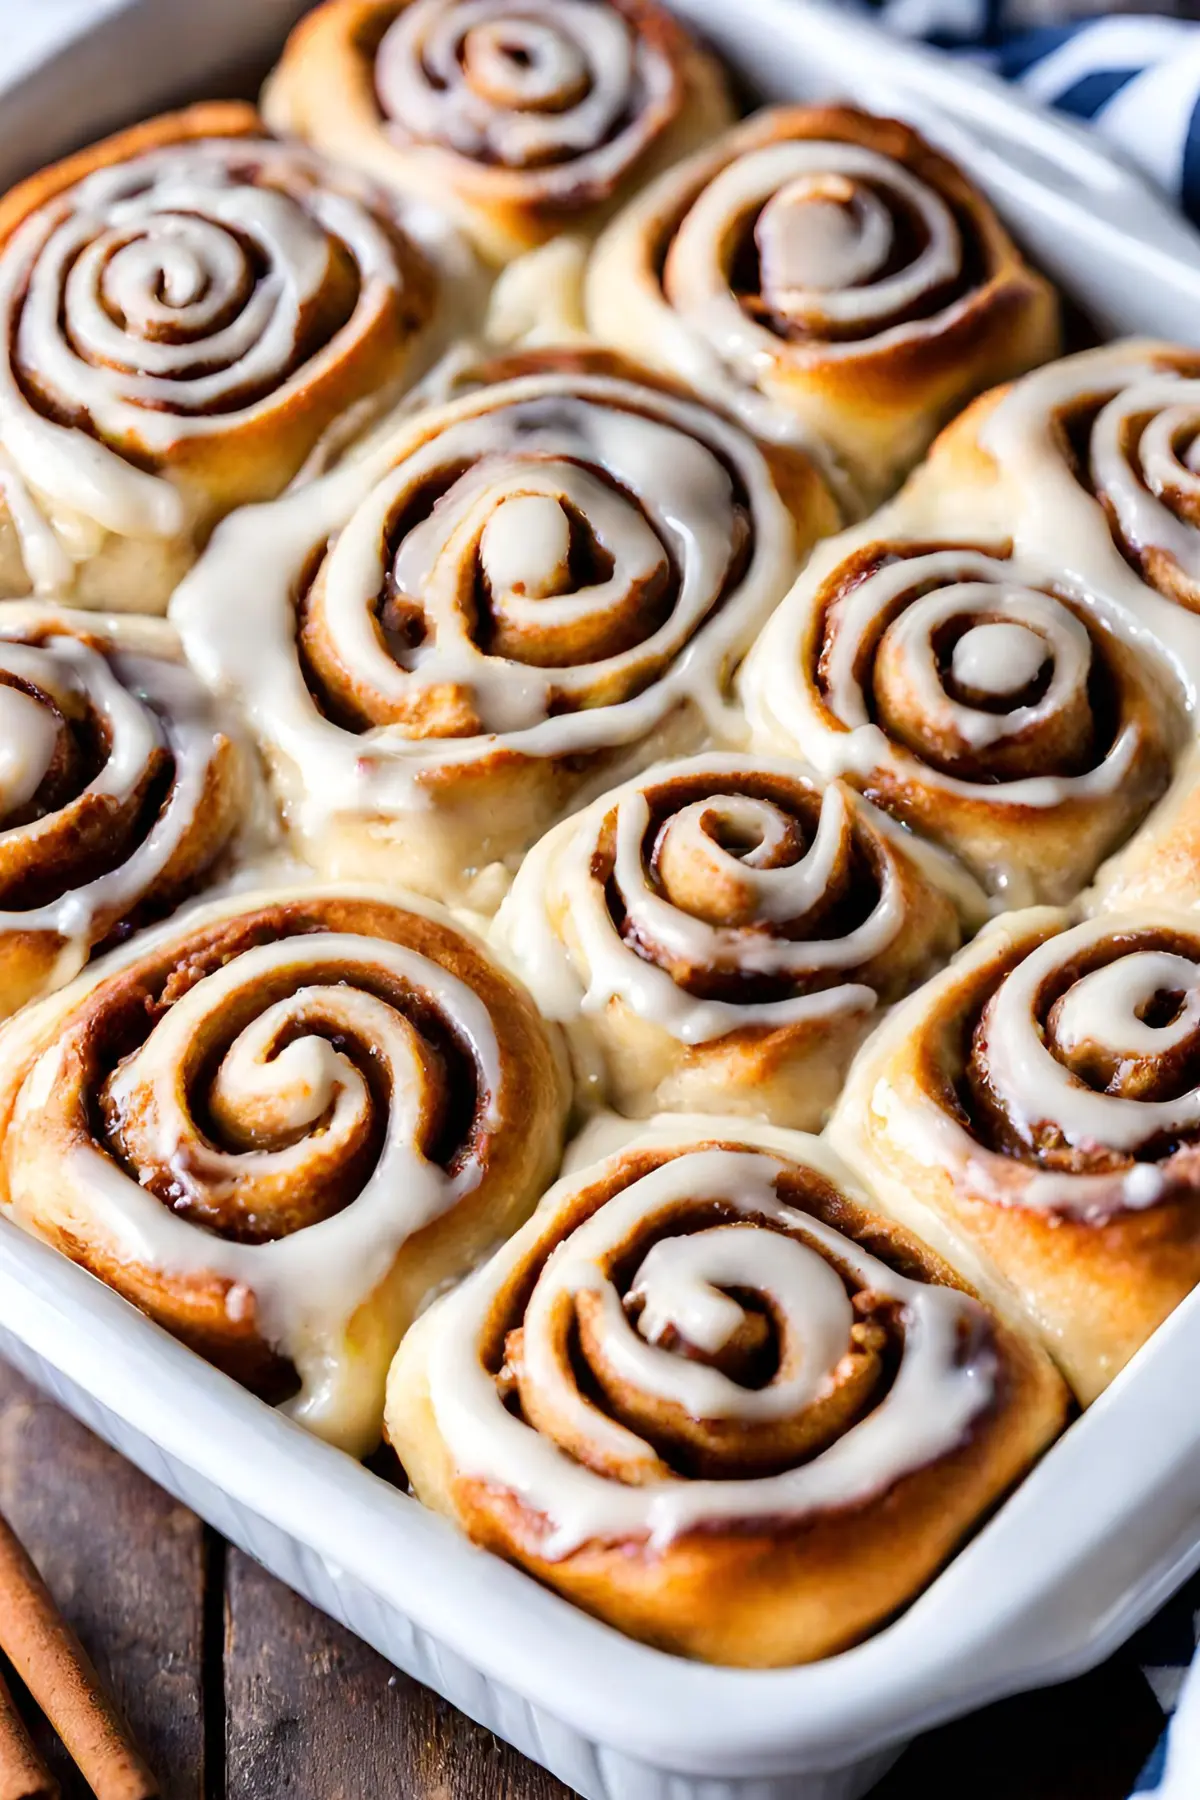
{"x": 187, "y": 306}
{"x": 1034, "y": 1114}
{"x": 719, "y": 934}
{"x": 710, "y": 1396}
{"x": 490, "y": 604}
{"x": 121, "y": 789}
{"x": 1082, "y": 468}
{"x": 1098, "y": 454}
{"x": 522, "y": 118}
{"x": 829, "y": 277}
{"x": 277, "y": 1126}
{"x": 995, "y": 713}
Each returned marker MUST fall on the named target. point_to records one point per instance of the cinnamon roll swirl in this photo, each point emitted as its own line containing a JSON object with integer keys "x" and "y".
{"x": 1034, "y": 1113}
{"x": 277, "y": 1126}
{"x": 121, "y": 789}
{"x": 187, "y": 306}
{"x": 491, "y": 603}
{"x": 828, "y": 276}
{"x": 718, "y": 935}
{"x": 1083, "y": 468}
{"x": 996, "y": 713}
{"x": 522, "y": 118}
{"x": 710, "y": 1396}
{"x": 1099, "y": 453}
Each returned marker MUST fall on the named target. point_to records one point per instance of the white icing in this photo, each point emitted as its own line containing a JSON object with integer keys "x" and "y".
{"x": 655, "y": 491}
{"x": 28, "y": 736}
{"x": 999, "y": 659}
{"x": 821, "y": 234}
{"x": 826, "y": 234}
{"x": 570, "y": 109}
{"x": 683, "y": 1281}
{"x": 557, "y": 878}
{"x": 779, "y": 1252}
{"x": 1143, "y": 506}
{"x": 171, "y": 333}
{"x": 789, "y": 181}
{"x": 525, "y": 545}
{"x": 1031, "y": 1082}
{"x": 141, "y": 703}
{"x": 307, "y": 1284}
{"x": 918, "y": 594}
{"x": 1059, "y": 529}
{"x": 46, "y": 563}
{"x": 1102, "y": 1008}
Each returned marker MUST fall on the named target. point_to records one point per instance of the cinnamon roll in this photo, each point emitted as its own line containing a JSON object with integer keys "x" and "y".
{"x": 995, "y": 712}
{"x": 277, "y": 1126}
{"x": 1082, "y": 467}
{"x": 187, "y": 306}
{"x": 710, "y": 1396}
{"x": 490, "y": 604}
{"x": 828, "y": 276}
{"x": 719, "y": 934}
{"x": 121, "y": 789}
{"x": 522, "y": 118}
{"x": 1098, "y": 455}
{"x": 1034, "y": 1113}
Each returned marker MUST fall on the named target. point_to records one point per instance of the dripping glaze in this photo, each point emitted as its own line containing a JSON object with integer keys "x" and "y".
{"x": 935, "y": 1398}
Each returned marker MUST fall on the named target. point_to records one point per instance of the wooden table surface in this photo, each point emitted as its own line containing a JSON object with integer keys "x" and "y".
{"x": 237, "y": 1690}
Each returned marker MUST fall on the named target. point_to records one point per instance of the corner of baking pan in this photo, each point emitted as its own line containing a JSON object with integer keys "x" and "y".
{"x": 1092, "y": 222}
{"x": 1076, "y": 1558}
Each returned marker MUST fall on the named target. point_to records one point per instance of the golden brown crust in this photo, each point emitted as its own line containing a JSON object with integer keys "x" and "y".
{"x": 723, "y": 972}
{"x": 208, "y": 118}
{"x": 876, "y": 389}
{"x": 368, "y": 302}
{"x": 1092, "y": 1244}
{"x": 210, "y": 1143}
{"x": 77, "y": 867}
{"x": 1082, "y": 467}
{"x": 755, "y": 1593}
{"x": 1071, "y": 426}
{"x": 798, "y": 480}
{"x": 573, "y": 561}
{"x": 326, "y": 89}
{"x": 1057, "y": 846}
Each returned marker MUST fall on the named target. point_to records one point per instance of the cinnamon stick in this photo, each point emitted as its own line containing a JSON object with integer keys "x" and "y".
{"x": 55, "y": 1668}
{"x": 23, "y": 1774}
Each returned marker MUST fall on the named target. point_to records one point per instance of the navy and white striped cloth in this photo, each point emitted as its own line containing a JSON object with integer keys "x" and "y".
{"x": 1134, "y": 77}
{"x": 1167, "y": 1649}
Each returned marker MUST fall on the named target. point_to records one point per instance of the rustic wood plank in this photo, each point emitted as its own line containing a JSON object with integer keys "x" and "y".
{"x": 126, "y": 1565}
{"x": 1085, "y": 1740}
{"x": 302, "y": 1711}
{"x": 311, "y": 1711}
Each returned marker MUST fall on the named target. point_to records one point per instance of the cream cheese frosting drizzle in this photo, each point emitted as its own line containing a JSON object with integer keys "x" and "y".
{"x": 684, "y": 1287}
{"x": 565, "y": 92}
{"x": 881, "y": 653}
{"x": 285, "y": 1098}
{"x": 1102, "y": 1066}
{"x": 1138, "y": 454}
{"x": 827, "y": 238}
{"x": 138, "y": 705}
{"x": 166, "y": 299}
{"x": 660, "y": 493}
{"x": 856, "y": 255}
{"x": 725, "y": 888}
{"x": 1103, "y": 1015}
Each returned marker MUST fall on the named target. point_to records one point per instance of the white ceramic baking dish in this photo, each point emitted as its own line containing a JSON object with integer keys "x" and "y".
{"x": 1091, "y": 1543}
